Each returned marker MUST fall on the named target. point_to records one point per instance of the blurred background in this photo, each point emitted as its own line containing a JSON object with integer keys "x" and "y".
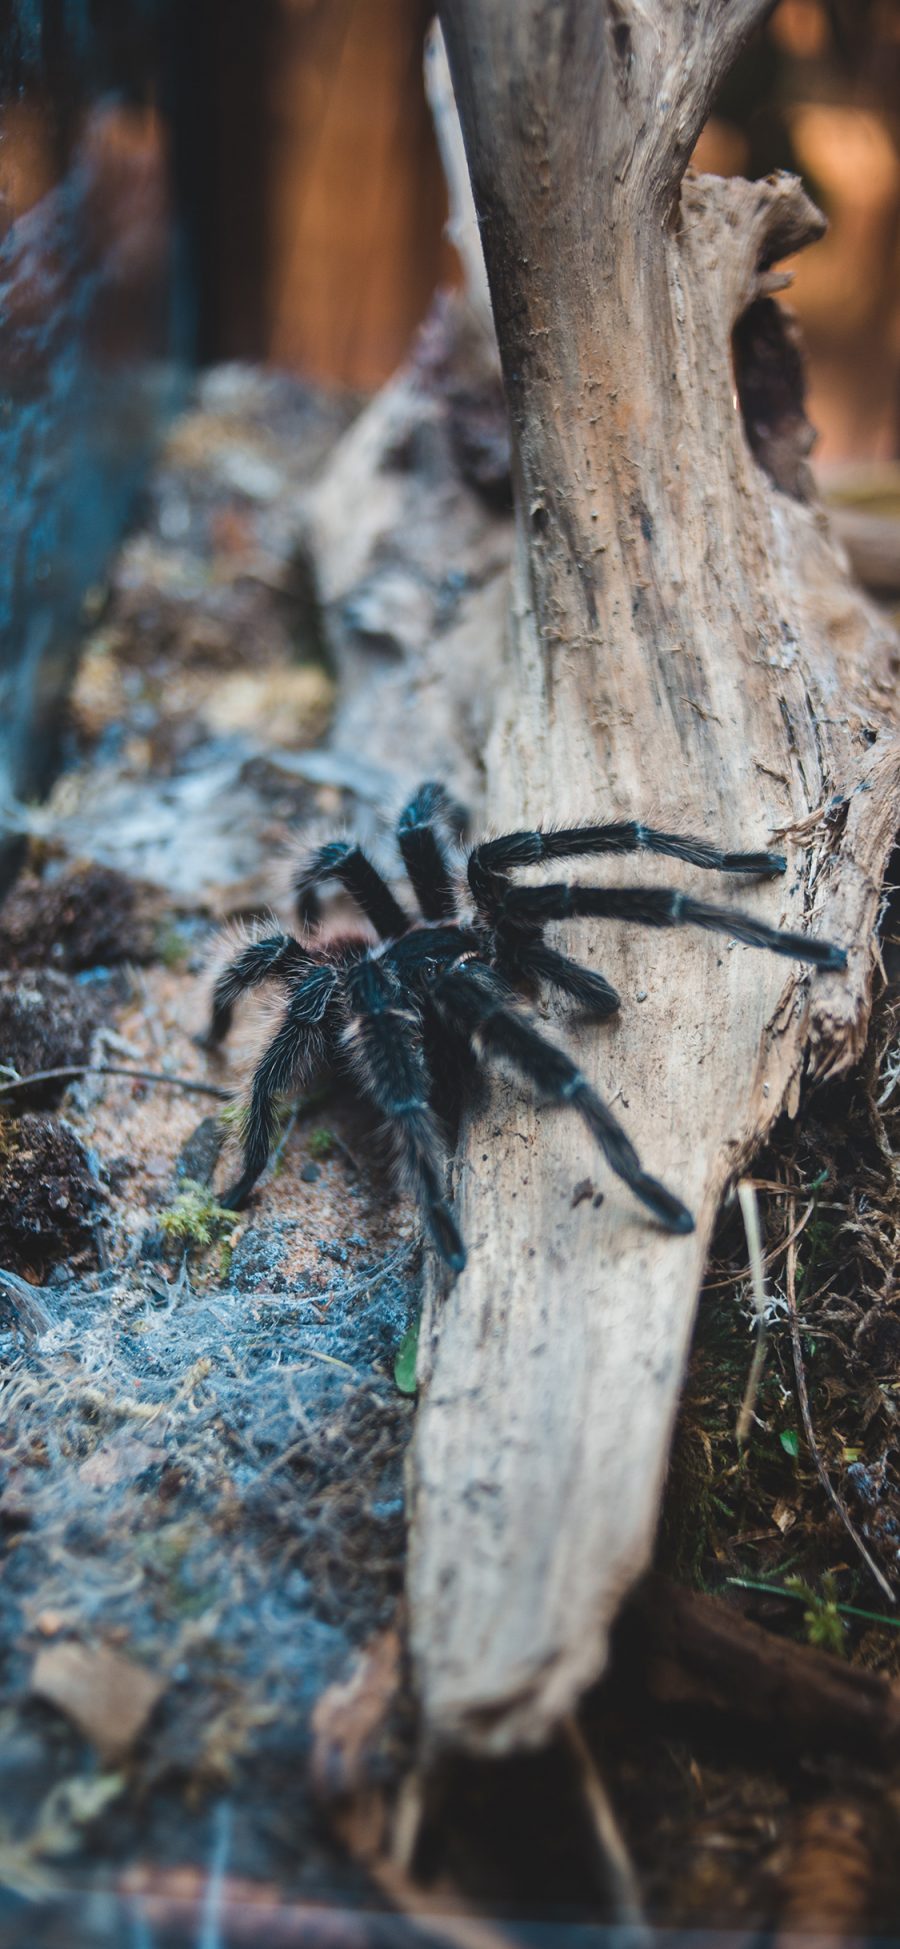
{"x": 294, "y": 146}
{"x": 191, "y": 185}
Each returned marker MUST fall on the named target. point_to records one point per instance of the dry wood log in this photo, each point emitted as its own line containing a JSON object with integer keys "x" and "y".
{"x": 684, "y": 646}
{"x": 683, "y": 1648}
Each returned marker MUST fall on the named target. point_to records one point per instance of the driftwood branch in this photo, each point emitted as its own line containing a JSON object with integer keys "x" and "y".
{"x": 683, "y": 643}
{"x": 584, "y": 109}
{"x": 685, "y": 646}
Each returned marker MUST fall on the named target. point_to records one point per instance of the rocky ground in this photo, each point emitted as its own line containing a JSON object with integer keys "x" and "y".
{"x": 203, "y": 1433}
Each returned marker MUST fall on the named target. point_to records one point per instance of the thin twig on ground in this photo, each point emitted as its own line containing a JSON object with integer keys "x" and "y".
{"x": 615, "y": 1861}
{"x": 74, "y": 1070}
{"x": 750, "y": 1214}
{"x": 729, "y": 1279}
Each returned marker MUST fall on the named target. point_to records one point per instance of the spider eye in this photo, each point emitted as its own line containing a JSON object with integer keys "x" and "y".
{"x": 429, "y": 969}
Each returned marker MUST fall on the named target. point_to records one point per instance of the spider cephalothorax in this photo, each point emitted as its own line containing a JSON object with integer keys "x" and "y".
{"x": 430, "y": 991}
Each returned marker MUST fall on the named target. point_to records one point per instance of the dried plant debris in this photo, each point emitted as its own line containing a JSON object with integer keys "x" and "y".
{"x": 729, "y": 1829}
{"x": 829, "y": 1194}
{"x": 108, "y": 1697}
{"x": 208, "y": 1487}
{"x": 824, "y": 1874}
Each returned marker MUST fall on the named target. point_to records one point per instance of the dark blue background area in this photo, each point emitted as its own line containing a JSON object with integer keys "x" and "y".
{"x": 96, "y": 326}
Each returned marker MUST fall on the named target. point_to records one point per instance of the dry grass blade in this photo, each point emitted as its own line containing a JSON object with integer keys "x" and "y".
{"x": 615, "y": 1862}
{"x": 750, "y": 1214}
{"x": 803, "y": 1398}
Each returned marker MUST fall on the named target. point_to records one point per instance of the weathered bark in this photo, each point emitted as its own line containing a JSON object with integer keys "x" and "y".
{"x": 684, "y": 646}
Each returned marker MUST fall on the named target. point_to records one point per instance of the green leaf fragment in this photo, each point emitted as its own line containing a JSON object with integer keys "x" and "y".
{"x": 405, "y": 1362}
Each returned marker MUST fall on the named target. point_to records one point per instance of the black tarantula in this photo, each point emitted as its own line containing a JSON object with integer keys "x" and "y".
{"x": 405, "y": 1014}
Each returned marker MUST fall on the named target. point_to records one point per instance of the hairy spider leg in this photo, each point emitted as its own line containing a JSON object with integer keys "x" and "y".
{"x": 384, "y": 1044}
{"x": 296, "y": 1050}
{"x": 522, "y": 951}
{"x": 663, "y": 907}
{"x": 534, "y": 960}
{"x": 279, "y": 956}
{"x": 339, "y": 860}
{"x": 477, "y": 999}
{"x": 495, "y": 858}
{"x": 424, "y": 854}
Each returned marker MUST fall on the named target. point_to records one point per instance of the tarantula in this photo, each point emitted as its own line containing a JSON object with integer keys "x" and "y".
{"x": 405, "y": 1014}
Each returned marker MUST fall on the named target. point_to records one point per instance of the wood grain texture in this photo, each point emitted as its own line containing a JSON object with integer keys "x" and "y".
{"x": 684, "y": 646}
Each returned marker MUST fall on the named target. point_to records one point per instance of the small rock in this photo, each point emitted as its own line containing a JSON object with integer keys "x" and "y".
{"x": 199, "y": 1155}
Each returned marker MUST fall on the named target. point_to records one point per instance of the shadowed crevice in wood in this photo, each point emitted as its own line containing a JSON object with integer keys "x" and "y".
{"x": 771, "y": 389}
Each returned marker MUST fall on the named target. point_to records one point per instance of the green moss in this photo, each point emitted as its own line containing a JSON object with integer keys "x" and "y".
{"x": 232, "y": 1116}
{"x": 171, "y": 946}
{"x": 320, "y": 1143}
{"x": 195, "y": 1217}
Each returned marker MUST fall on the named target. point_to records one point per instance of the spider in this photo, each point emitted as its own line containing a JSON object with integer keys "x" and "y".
{"x": 407, "y": 1013}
